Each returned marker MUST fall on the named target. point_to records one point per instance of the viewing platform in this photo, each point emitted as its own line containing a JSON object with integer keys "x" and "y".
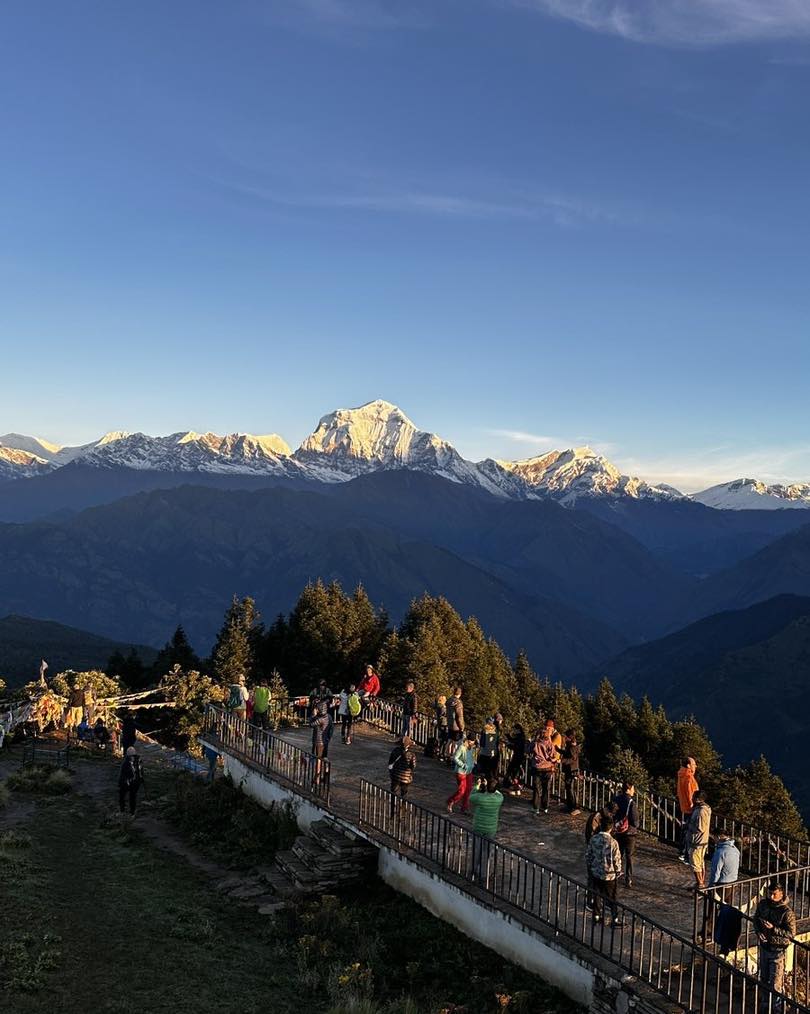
{"x": 528, "y": 897}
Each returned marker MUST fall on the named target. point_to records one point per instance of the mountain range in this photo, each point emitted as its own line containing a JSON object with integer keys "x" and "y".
{"x": 376, "y": 436}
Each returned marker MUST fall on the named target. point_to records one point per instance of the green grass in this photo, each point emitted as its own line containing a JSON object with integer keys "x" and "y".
{"x": 104, "y": 921}
{"x": 40, "y": 779}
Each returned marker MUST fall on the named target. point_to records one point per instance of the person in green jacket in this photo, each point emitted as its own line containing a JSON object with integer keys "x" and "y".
{"x": 486, "y": 806}
{"x": 261, "y": 704}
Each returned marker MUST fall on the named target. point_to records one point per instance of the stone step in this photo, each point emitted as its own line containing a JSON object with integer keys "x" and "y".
{"x": 279, "y": 883}
{"x": 302, "y": 876}
{"x": 339, "y": 844}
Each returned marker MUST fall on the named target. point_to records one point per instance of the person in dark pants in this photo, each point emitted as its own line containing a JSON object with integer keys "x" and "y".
{"x": 401, "y": 765}
{"x": 569, "y": 758}
{"x": 625, "y": 827}
{"x": 543, "y": 758}
{"x": 775, "y": 925}
{"x": 517, "y": 743}
{"x": 130, "y": 779}
{"x": 129, "y": 733}
{"x": 605, "y": 867}
{"x": 410, "y": 706}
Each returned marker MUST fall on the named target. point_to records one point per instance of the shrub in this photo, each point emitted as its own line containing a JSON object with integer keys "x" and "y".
{"x": 44, "y": 780}
{"x": 4, "y": 795}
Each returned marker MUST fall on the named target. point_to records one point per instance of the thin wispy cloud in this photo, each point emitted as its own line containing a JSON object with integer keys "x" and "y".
{"x": 684, "y": 22}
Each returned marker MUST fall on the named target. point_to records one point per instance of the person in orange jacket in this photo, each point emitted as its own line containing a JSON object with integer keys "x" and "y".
{"x": 686, "y": 787}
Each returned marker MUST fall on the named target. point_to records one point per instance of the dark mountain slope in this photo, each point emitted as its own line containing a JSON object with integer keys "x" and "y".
{"x": 137, "y": 567}
{"x": 24, "y": 641}
{"x": 691, "y": 537}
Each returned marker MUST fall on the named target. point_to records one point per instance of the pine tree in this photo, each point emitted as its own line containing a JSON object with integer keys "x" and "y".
{"x": 235, "y": 648}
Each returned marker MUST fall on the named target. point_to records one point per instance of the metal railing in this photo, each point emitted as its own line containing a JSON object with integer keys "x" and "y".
{"x": 48, "y": 753}
{"x": 675, "y": 967}
{"x": 269, "y": 753}
{"x": 746, "y": 894}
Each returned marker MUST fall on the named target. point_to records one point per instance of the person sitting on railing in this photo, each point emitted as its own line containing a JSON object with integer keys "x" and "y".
{"x": 369, "y": 685}
{"x": 410, "y": 707}
{"x": 569, "y": 759}
{"x": 775, "y": 925}
{"x": 544, "y": 758}
{"x": 516, "y": 741}
{"x": 488, "y": 743}
{"x": 463, "y": 763}
{"x": 605, "y": 867}
{"x": 685, "y": 787}
{"x": 625, "y": 825}
{"x": 697, "y": 836}
{"x": 401, "y": 766}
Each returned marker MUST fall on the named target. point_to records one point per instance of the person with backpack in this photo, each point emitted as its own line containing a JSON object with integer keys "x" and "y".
{"x": 442, "y": 733}
{"x": 625, "y": 828}
{"x": 129, "y": 732}
{"x": 401, "y": 766}
{"x": 410, "y": 707}
{"x": 544, "y": 758}
{"x": 464, "y": 764}
{"x": 569, "y": 759}
{"x": 604, "y": 867}
{"x": 261, "y": 704}
{"x": 348, "y": 710}
{"x": 488, "y": 743}
{"x": 130, "y": 779}
{"x": 516, "y": 741}
{"x": 238, "y": 698}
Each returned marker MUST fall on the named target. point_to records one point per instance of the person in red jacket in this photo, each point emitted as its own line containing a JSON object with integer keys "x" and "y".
{"x": 368, "y": 689}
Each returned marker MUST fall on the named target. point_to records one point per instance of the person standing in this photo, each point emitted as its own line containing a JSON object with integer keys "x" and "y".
{"x": 129, "y": 732}
{"x": 463, "y": 763}
{"x": 697, "y": 836}
{"x": 238, "y": 698}
{"x": 686, "y": 786}
{"x": 544, "y": 758}
{"x": 724, "y": 869}
{"x": 410, "y": 707}
{"x": 130, "y": 779}
{"x": 605, "y": 867}
{"x": 486, "y": 806}
{"x": 348, "y": 709}
{"x": 261, "y": 704}
{"x": 625, "y": 828}
{"x": 401, "y": 766}
{"x": 75, "y": 708}
{"x": 775, "y": 926}
{"x": 488, "y": 742}
{"x": 442, "y": 733}
{"x": 569, "y": 759}
{"x": 455, "y": 719}
{"x": 322, "y": 728}
{"x": 516, "y": 741}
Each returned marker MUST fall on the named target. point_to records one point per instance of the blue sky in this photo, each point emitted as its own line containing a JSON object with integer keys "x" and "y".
{"x": 530, "y": 223}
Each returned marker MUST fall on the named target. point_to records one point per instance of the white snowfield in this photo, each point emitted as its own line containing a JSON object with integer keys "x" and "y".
{"x": 374, "y": 437}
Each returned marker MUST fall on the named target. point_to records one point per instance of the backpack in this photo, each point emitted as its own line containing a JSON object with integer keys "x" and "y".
{"x": 621, "y": 826}
{"x": 235, "y": 698}
{"x": 354, "y": 705}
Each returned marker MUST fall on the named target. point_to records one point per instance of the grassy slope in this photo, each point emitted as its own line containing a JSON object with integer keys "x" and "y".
{"x": 128, "y": 928}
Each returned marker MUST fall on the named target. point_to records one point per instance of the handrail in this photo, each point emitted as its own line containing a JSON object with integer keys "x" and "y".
{"x": 675, "y": 967}
{"x": 302, "y": 769}
{"x": 744, "y": 894}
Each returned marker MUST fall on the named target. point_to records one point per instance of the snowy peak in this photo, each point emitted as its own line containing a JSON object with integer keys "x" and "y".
{"x": 580, "y": 472}
{"x": 17, "y": 464}
{"x": 40, "y": 448}
{"x": 751, "y": 494}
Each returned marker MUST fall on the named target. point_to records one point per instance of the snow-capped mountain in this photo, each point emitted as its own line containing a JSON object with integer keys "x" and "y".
{"x": 751, "y": 494}
{"x": 17, "y": 464}
{"x": 53, "y": 453}
{"x": 190, "y": 452}
{"x": 568, "y": 475}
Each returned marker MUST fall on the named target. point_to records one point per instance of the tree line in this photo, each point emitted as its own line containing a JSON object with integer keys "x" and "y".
{"x": 332, "y": 634}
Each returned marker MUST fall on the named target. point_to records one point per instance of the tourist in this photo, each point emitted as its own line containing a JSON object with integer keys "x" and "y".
{"x": 455, "y": 719}
{"x": 497, "y": 718}
{"x": 318, "y": 694}
{"x": 464, "y": 764}
{"x": 775, "y": 926}
{"x": 488, "y": 740}
{"x": 130, "y": 779}
{"x": 348, "y": 710}
{"x": 410, "y": 707}
{"x": 724, "y": 869}
{"x": 75, "y": 708}
{"x": 543, "y": 760}
{"x": 401, "y": 765}
{"x": 556, "y": 737}
{"x": 697, "y": 836}
{"x": 322, "y": 728}
{"x": 516, "y": 741}
{"x": 101, "y": 734}
{"x": 238, "y": 698}
{"x": 212, "y": 757}
{"x": 368, "y": 688}
{"x": 725, "y": 866}
{"x": 569, "y": 759}
{"x": 604, "y": 866}
{"x": 594, "y": 821}
{"x": 261, "y": 704}
{"x": 83, "y": 731}
{"x": 486, "y": 802}
{"x": 442, "y": 734}
{"x": 686, "y": 787}
{"x": 129, "y": 732}
{"x": 625, "y": 826}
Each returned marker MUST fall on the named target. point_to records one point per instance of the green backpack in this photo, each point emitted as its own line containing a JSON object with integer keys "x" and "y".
{"x": 235, "y": 699}
{"x": 354, "y": 705}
